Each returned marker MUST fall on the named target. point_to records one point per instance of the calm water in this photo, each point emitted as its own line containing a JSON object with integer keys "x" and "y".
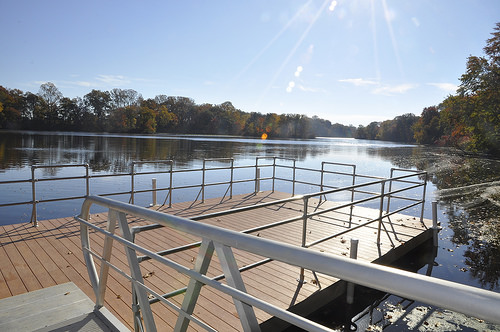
{"x": 468, "y": 189}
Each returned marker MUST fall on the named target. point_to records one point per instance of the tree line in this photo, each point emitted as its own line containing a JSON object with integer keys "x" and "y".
{"x": 126, "y": 111}
{"x": 468, "y": 120}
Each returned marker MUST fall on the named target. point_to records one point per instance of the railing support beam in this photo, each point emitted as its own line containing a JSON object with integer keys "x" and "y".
{"x": 106, "y": 255}
{"x": 350, "y": 285}
{"x": 435, "y": 227}
{"x": 153, "y": 193}
{"x": 194, "y": 287}
{"x": 233, "y": 276}
{"x": 135, "y": 272}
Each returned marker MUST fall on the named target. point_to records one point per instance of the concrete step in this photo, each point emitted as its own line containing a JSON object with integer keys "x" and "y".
{"x": 59, "y": 308}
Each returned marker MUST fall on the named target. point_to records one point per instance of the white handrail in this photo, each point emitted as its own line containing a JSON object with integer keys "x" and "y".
{"x": 469, "y": 300}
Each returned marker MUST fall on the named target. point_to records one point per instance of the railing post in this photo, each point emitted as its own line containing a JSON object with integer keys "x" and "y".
{"x": 132, "y": 188}
{"x": 435, "y": 227}
{"x": 390, "y": 188}
{"x": 232, "y": 178}
{"x": 34, "y": 219}
{"x": 87, "y": 179}
{"x": 304, "y": 220}
{"x": 256, "y": 172}
{"x": 322, "y": 176}
{"x": 170, "y": 186}
{"x": 274, "y": 171}
{"x": 293, "y": 188}
{"x": 321, "y": 182}
{"x": 381, "y": 210}
{"x": 153, "y": 187}
{"x": 203, "y": 183}
{"x": 304, "y": 232}
{"x": 350, "y": 285}
{"x": 423, "y": 197}
{"x": 257, "y": 180}
{"x": 352, "y": 192}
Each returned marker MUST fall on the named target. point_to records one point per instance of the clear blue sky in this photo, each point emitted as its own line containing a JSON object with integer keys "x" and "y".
{"x": 348, "y": 61}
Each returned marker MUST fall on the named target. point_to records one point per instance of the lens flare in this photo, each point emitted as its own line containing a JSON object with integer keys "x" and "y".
{"x": 332, "y": 6}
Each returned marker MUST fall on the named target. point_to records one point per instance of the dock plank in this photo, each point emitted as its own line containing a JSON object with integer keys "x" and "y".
{"x": 33, "y": 258}
{"x": 10, "y": 275}
{"x": 19, "y": 265}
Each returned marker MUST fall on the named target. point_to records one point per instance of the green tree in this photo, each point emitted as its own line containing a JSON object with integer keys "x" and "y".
{"x": 49, "y": 110}
{"x": 99, "y": 103}
{"x": 427, "y": 129}
{"x": 11, "y": 105}
{"x": 124, "y": 119}
{"x": 32, "y": 103}
{"x": 369, "y": 132}
{"x": 72, "y": 113}
{"x": 124, "y": 97}
{"x": 404, "y": 127}
{"x": 184, "y": 109}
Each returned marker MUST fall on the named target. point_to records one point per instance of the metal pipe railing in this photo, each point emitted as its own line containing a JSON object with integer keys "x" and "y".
{"x": 304, "y": 217}
{"x": 34, "y": 180}
{"x": 258, "y": 180}
{"x": 194, "y": 275}
{"x": 133, "y": 174}
{"x": 204, "y": 169}
{"x": 480, "y": 303}
{"x": 295, "y": 198}
{"x": 403, "y": 181}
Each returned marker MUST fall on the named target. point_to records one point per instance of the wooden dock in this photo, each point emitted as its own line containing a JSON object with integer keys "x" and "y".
{"x": 35, "y": 258}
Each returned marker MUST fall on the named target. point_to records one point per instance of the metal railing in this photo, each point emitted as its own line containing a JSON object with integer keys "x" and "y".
{"x": 441, "y": 293}
{"x": 277, "y": 169}
{"x": 305, "y": 216}
{"x": 34, "y": 197}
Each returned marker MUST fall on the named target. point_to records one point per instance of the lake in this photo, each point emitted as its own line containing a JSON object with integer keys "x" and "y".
{"x": 467, "y": 188}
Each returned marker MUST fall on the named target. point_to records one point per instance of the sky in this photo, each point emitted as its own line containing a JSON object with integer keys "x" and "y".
{"x": 347, "y": 61}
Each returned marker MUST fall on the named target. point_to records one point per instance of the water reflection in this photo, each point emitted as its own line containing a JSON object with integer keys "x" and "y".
{"x": 468, "y": 188}
{"x": 114, "y": 153}
{"x": 468, "y": 192}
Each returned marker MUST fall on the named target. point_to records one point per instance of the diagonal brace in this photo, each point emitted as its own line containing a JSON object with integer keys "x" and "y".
{"x": 233, "y": 277}
{"x": 194, "y": 287}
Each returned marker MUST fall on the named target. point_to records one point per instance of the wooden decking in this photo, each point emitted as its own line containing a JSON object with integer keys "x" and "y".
{"x": 34, "y": 258}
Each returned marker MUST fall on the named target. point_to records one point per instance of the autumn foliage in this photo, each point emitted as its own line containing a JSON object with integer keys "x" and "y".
{"x": 125, "y": 111}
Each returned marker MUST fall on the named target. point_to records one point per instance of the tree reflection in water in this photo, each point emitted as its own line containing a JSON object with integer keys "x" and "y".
{"x": 468, "y": 192}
